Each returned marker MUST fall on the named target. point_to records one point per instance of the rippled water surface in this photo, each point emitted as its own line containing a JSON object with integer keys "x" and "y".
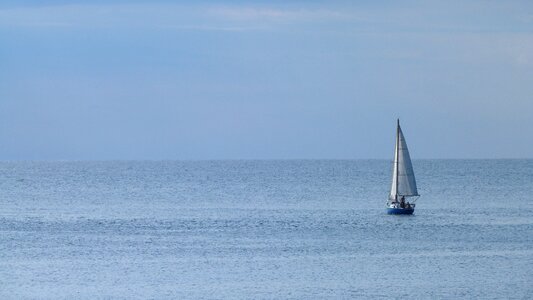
{"x": 264, "y": 229}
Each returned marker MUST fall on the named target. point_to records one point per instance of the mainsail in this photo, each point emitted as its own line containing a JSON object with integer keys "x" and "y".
{"x": 403, "y": 177}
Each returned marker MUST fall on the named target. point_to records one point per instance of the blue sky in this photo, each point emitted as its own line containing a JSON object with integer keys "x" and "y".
{"x": 84, "y": 80}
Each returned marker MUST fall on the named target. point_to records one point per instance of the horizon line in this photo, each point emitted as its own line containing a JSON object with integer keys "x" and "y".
{"x": 243, "y": 159}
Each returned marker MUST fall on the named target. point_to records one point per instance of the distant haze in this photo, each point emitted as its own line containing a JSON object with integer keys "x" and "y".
{"x": 95, "y": 80}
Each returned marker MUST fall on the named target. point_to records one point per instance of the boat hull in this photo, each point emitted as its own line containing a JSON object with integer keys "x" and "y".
{"x": 400, "y": 211}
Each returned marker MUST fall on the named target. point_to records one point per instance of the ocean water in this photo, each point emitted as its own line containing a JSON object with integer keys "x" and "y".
{"x": 295, "y": 229}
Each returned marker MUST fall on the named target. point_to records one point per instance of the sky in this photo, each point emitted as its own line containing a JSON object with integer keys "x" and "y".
{"x": 195, "y": 80}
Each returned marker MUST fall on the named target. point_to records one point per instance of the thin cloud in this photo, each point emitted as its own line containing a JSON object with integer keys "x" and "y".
{"x": 171, "y": 16}
{"x": 211, "y": 28}
{"x": 267, "y": 13}
{"x": 105, "y": 16}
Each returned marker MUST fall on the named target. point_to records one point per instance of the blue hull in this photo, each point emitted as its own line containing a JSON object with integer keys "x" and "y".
{"x": 400, "y": 211}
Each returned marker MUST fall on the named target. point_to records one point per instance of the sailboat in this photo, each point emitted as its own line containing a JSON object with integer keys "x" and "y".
{"x": 403, "y": 179}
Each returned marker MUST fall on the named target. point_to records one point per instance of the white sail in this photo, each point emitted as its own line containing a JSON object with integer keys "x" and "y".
{"x": 403, "y": 176}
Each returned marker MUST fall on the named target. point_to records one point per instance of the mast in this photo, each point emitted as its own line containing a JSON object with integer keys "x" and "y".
{"x": 397, "y": 154}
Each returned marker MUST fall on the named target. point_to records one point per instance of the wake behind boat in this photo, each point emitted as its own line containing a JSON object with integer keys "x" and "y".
{"x": 403, "y": 179}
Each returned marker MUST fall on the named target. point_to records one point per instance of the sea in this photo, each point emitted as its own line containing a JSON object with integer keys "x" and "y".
{"x": 264, "y": 229}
